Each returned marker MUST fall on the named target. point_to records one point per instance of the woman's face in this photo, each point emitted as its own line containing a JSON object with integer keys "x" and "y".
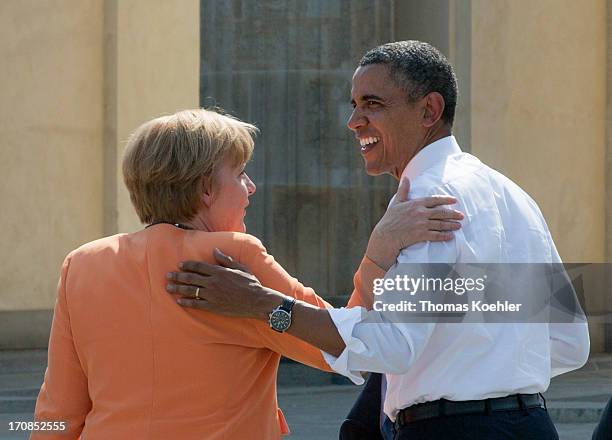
{"x": 228, "y": 199}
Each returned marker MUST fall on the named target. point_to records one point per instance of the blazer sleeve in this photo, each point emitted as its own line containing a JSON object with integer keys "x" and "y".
{"x": 254, "y": 255}
{"x": 363, "y": 283}
{"x": 63, "y": 396}
{"x": 271, "y": 274}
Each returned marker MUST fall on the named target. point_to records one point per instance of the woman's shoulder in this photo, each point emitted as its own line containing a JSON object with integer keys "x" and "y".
{"x": 248, "y": 244}
{"x": 238, "y": 245}
{"x": 249, "y": 240}
{"x": 100, "y": 245}
{"x": 246, "y": 240}
{"x": 114, "y": 243}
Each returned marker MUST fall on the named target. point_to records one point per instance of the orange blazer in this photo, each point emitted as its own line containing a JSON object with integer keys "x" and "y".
{"x": 127, "y": 362}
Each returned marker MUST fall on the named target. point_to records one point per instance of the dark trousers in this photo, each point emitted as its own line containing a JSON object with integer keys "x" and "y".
{"x": 603, "y": 431}
{"x": 363, "y": 421}
{"x": 527, "y": 424}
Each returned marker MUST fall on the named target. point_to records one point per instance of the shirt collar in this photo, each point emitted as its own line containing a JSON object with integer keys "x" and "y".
{"x": 430, "y": 155}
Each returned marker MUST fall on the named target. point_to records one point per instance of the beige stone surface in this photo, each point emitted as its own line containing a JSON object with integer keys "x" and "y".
{"x": 51, "y": 114}
{"x": 77, "y": 77}
{"x": 157, "y": 61}
{"x": 539, "y": 110}
{"x": 539, "y": 116}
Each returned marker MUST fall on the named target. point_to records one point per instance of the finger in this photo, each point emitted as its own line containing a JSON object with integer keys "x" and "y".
{"x": 442, "y": 213}
{"x": 403, "y": 190}
{"x": 193, "y": 303}
{"x": 441, "y": 225}
{"x": 440, "y": 236}
{"x": 186, "y": 291}
{"x": 192, "y": 278}
{"x": 227, "y": 261}
{"x": 433, "y": 201}
{"x": 222, "y": 259}
{"x": 200, "y": 267}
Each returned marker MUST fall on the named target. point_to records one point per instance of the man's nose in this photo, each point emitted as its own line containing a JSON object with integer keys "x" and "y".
{"x": 356, "y": 120}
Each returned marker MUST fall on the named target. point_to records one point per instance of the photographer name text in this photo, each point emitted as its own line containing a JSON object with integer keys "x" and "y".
{"x": 425, "y": 306}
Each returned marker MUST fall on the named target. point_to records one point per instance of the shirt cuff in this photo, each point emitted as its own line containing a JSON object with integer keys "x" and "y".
{"x": 345, "y": 320}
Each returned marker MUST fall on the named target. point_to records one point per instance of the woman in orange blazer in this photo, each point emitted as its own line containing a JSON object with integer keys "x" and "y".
{"x": 126, "y": 361}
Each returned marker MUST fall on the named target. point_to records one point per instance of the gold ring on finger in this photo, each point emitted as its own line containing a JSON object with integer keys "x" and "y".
{"x": 197, "y": 295}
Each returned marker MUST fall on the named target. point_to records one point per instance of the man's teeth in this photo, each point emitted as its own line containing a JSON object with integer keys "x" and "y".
{"x": 367, "y": 141}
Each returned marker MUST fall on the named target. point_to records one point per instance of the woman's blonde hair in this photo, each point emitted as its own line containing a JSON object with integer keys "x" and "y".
{"x": 170, "y": 160}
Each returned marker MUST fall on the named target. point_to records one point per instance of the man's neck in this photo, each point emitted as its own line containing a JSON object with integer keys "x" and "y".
{"x": 436, "y": 134}
{"x": 433, "y": 135}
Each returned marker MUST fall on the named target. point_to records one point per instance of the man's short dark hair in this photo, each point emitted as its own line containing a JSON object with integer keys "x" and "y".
{"x": 419, "y": 69}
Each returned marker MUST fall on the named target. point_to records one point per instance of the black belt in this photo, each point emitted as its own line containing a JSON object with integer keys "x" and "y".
{"x": 443, "y": 407}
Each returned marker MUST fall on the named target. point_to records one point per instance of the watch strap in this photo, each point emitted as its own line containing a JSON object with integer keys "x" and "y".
{"x": 287, "y": 304}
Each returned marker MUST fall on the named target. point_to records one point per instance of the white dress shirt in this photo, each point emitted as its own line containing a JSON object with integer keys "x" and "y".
{"x": 426, "y": 362}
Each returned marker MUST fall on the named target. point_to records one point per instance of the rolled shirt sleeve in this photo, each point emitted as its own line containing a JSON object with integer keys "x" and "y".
{"x": 375, "y": 341}
{"x": 569, "y": 341}
{"x": 569, "y": 346}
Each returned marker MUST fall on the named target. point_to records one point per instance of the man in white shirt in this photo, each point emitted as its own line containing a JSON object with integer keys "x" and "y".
{"x": 460, "y": 381}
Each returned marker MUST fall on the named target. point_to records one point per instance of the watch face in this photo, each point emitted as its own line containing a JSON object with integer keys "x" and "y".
{"x": 280, "y": 320}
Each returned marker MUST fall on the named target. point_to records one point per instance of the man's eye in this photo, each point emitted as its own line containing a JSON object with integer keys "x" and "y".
{"x": 372, "y": 103}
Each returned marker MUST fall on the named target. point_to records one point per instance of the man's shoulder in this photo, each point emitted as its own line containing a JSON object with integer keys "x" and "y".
{"x": 501, "y": 184}
{"x": 482, "y": 192}
{"x": 464, "y": 174}
{"x": 439, "y": 179}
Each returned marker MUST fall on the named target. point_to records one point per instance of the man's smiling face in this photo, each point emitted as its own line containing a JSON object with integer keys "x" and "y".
{"x": 386, "y": 124}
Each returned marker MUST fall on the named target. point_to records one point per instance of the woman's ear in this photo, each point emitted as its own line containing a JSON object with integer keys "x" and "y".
{"x": 206, "y": 195}
{"x": 207, "y": 199}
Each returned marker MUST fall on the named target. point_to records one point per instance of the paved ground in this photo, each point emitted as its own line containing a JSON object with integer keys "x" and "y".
{"x": 315, "y": 404}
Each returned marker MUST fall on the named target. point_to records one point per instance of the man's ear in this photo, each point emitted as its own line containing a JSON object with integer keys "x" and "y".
{"x": 434, "y": 107}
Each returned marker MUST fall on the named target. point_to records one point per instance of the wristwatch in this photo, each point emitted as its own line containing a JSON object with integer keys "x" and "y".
{"x": 280, "y": 317}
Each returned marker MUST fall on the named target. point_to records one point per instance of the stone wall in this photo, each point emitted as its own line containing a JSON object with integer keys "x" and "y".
{"x": 287, "y": 66}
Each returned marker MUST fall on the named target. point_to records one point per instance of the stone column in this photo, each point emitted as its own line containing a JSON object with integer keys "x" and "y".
{"x": 286, "y": 66}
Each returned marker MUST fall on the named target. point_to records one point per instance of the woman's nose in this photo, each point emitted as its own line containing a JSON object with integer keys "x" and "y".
{"x": 251, "y": 187}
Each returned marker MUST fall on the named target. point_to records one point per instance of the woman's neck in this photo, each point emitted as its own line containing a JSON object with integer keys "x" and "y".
{"x": 199, "y": 223}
